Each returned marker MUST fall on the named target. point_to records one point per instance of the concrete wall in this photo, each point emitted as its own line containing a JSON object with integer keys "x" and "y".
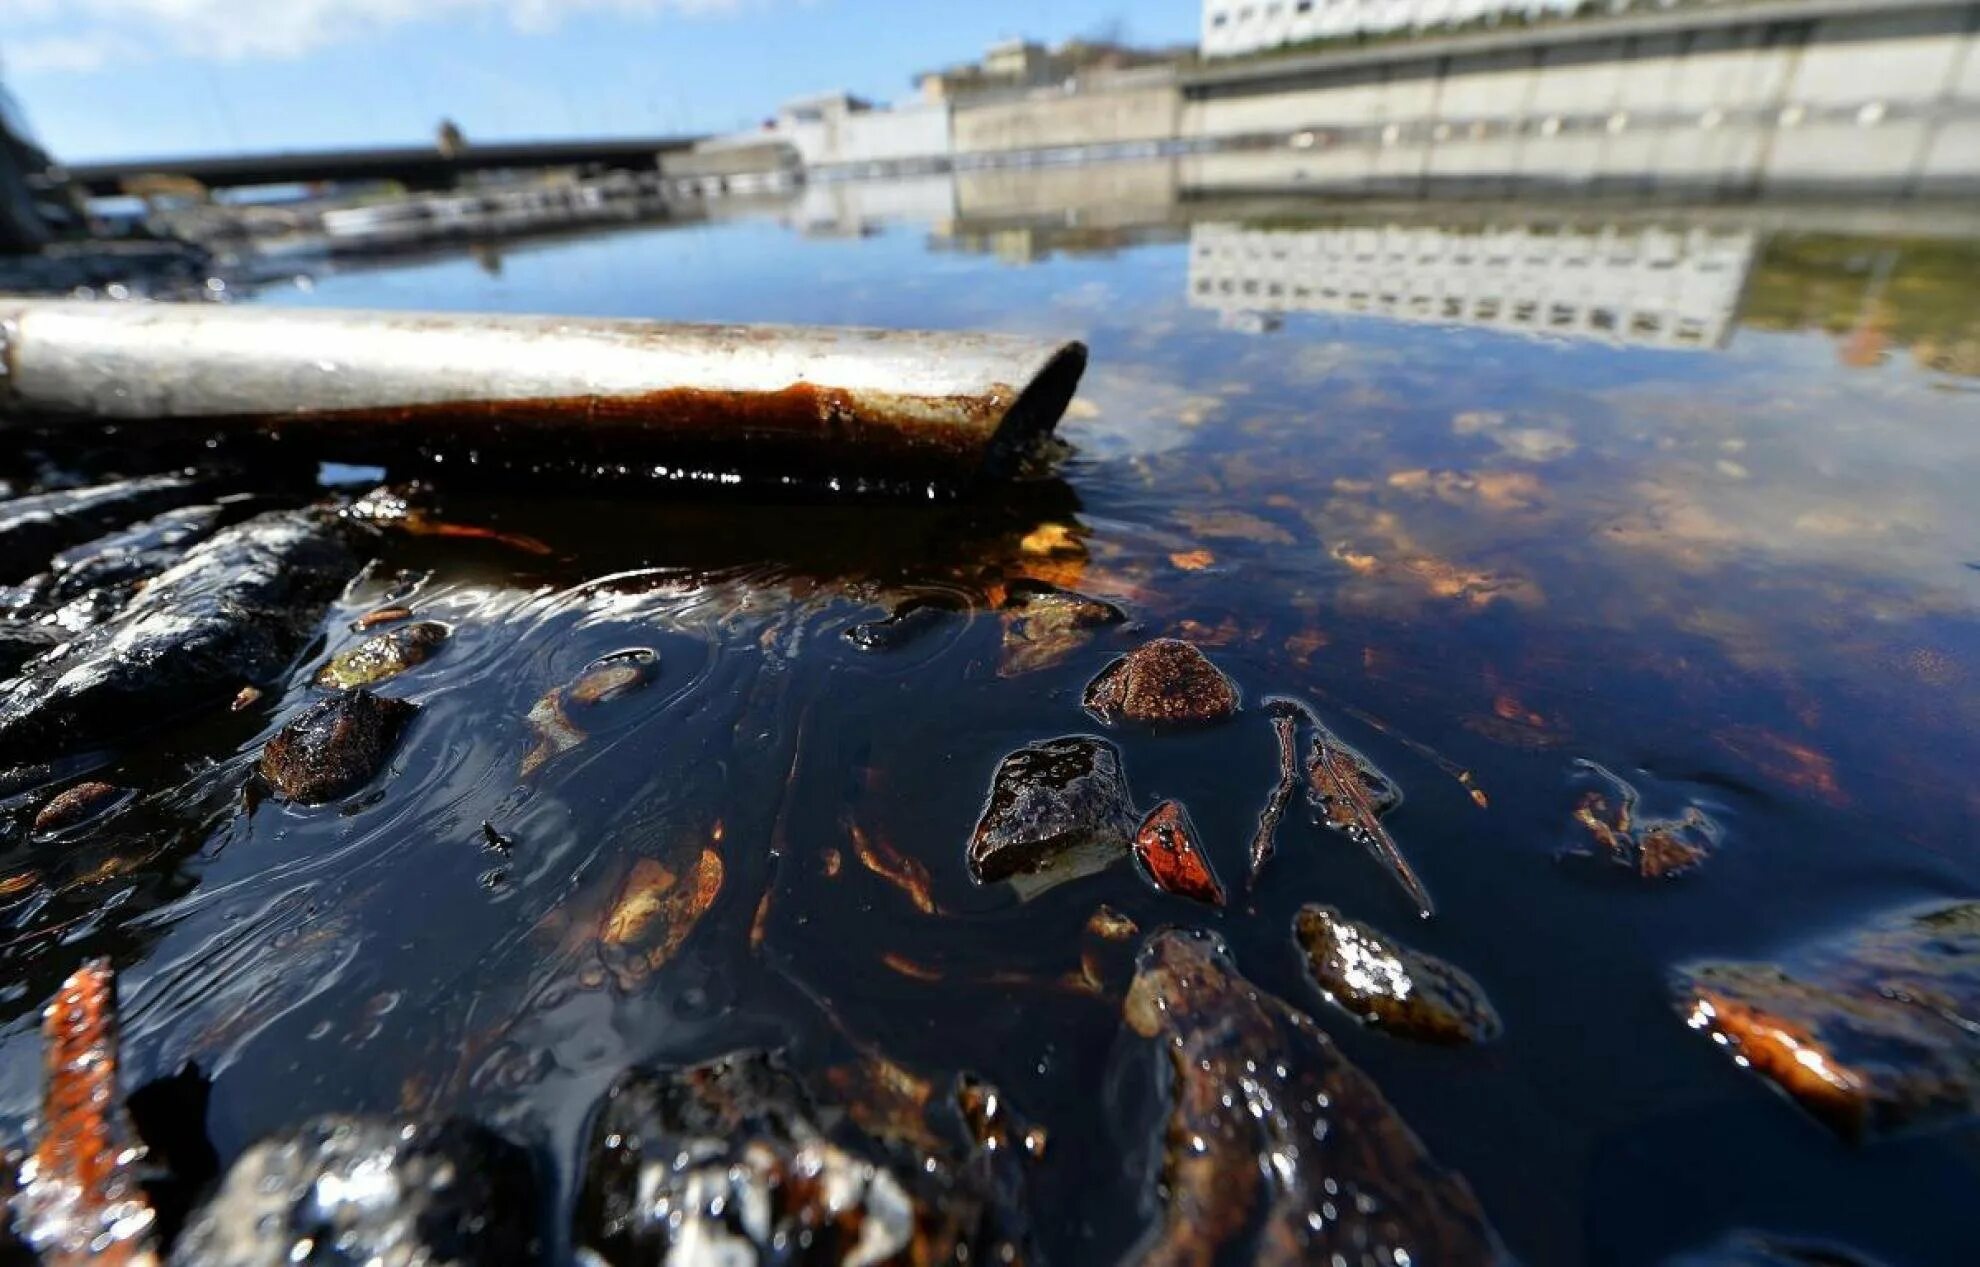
{"x": 1888, "y": 99}
{"x": 1047, "y": 121}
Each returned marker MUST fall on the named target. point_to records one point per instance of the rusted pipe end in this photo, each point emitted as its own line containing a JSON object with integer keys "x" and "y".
{"x": 1036, "y": 411}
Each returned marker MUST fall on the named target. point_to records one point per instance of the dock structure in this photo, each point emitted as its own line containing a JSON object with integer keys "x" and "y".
{"x": 415, "y": 166}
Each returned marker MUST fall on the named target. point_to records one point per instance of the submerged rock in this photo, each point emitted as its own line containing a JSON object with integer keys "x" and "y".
{"x": 1043, "y": 625}
{"x": 1273, "y": 1141}
{"x": 728, "y": 1162}
{"x": 77, "y": 805}
{"x": 1166, "y": 846}
{"x": 1653, "y": 848}
{"x": 34, "y": 528}
{"x": 1166, "y": 681}
{"x": 383, "y": 655}
{"x": 906, "y": 624}
{"x": 237, "y": 608}
{"x": 553, "y": 719}
{"x": 340, "y": 1190}
{"x": 1385, "y": 984}
{"x": 1871, "y": 1032}
{"x": 1049, "y": 800}
{"x": 333, "y": 747}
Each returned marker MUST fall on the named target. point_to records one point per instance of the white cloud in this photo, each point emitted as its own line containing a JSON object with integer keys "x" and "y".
{"x": 52, "y": 36}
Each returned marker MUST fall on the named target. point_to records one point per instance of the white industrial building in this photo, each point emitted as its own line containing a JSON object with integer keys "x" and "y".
{"x": 1247, "y": 26}
{"x": 1649, "y": 286}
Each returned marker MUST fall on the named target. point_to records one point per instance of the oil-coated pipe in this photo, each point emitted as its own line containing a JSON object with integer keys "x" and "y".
{"x": 804, "y": 404}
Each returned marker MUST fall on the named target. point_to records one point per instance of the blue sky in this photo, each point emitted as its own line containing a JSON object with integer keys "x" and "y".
{"x": 123, "y": 78}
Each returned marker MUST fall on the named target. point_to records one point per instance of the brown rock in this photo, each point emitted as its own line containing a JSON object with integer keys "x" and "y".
{"x": 76, "y": 805}
{"x": 334, "y": 747}
{"x": 1164, "y": 682}
{"x": 1385, "y": 984}
{"x": 1051, "y": 800}
{"x": 1273, "y": 1138}
{"x": 1871, "y": 1032}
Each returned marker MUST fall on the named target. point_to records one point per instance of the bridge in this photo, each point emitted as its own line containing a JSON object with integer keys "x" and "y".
{"x": 416, "y": 167}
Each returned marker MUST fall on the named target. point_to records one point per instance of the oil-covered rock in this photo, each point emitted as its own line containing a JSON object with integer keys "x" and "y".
{"x": 730, "y": 1162}
{"x": 1163, "y": 682}
{"x": 1276, "y": 1149}
{"x": 350, "y": 1190}
{"x": 1389, "y": 986}
{"x": 333, "y": 747}
{"x": 33, "y": 528}
{"x": 235, "y": 610}
{"x": 1171, "y": 856}
{"x": 1050, "y": 800}
{"x": 1872, "y": 1032}
{"x": 383, "y": 655}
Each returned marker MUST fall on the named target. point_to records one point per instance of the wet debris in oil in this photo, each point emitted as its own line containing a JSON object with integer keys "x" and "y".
{"x": 382, "y": 616}
{"x": 1044, "y": 625}
{"x": 1873, "y": 1031}
{"x": 1388, "y": 986}
{"x": 652, "y": 914}
{"x": 399, "y": 508}
{"x": 236, "y": 609}
{"x": 992, "y": 1121}
{"x": 1277, "y": 1150}
{"x": 334, "y": 746}
{"x": 79, "y": 1199}
{"x": 730, "y": 1161}
{"x": 383, "y": 655}
{"x": 555, "y": 720}
{"x": 1055, "y": 805}
{"x": 346, "y": 1189}
{"x": 78, "y": 804}
{"x": 907, "y": 874}
{"x": 1349, "y": 795}
{"x": 1285, "y": 715}
{"x": 1652, "y": 848}
{"x": 910, "y": 621}
{"x": 1163, "y": 682}
{"x": 1166, "y": 845}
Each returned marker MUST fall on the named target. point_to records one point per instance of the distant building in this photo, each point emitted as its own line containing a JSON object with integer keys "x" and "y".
{"x": 1231, "y": 27}
{"x": 1020, "y": 64}
{"x": 1649, "y": 286}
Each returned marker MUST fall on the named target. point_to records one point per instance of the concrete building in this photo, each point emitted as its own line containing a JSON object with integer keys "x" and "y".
{"x": 1647, "y": 286}
{"x": 1015, "y": 65}
{"x": 1231, "y": 27}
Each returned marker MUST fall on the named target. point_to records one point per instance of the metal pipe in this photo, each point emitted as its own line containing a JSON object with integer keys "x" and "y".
{"x": 807, "y": 406}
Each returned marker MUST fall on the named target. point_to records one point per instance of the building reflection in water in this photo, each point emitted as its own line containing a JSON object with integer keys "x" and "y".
{"x": 1662, "y": 286}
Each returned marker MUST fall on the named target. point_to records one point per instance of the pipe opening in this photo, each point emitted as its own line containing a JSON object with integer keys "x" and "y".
{"x": 1036, "y": 411}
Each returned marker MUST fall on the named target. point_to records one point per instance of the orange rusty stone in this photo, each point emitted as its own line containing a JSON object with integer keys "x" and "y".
{"x": 1166, "y": 847}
